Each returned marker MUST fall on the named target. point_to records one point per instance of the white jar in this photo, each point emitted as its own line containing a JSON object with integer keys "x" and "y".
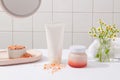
{"x": 77, "y": 57}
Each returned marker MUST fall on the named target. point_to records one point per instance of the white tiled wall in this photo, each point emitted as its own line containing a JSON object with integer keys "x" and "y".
{"x": 22, "y": 24}
{"x": 103, "y": 6}
{"x": 40, "y": 19}
{"x": 62, "y": 5}
{"x": 82, "y": 22}
{"x": 23, "y": 38}
{"x": 78, "y": 15}
{"x": 82, "y": 5}
{"x": 65, "y": 18}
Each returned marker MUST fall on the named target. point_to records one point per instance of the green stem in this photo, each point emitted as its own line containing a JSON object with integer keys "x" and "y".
{"x": 100, "y": 51}
{"x": 103, "y": 50}
{"x": 108, "y": 57}
{"x": 100, "y": 57}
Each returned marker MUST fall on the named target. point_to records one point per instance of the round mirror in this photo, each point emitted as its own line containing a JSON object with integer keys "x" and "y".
{"x": 21, "y": 8}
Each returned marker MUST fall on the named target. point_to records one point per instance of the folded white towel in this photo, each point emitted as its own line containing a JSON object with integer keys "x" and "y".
{"x": 92, "y": 49}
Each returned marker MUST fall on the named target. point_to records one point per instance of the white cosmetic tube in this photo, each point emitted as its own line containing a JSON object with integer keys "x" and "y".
{"x": 55, "y": 35}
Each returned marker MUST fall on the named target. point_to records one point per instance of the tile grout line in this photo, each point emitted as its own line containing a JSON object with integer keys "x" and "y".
{"x": 92, "y": 11}
{"x": 32, "y": 34}
{"x": 92, "y": 14}
{"x": 72, "y": 12}
{"x": 68, "y": 12}
{"x": 41, "y": 31}
{"x": 12, "y": 30}
{"x": 52, "y": 11}
{"x": 72, "y": 23}
{"x": 113, "y": 13}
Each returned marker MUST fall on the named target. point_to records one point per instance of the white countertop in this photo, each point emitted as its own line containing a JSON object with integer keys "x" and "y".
{"x": 34, "y": 71}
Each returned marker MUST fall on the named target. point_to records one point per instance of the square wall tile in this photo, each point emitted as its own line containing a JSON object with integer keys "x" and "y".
{"x": 117, "y": 19}
{"x": 82, "y": 39}
{"x": 62, "y": 5}
{"x": 23, "y": 38}
{"x": 82, "y": 5}
{"x": 39, "y": 40}
{"x": 106, "y": 17}
{"x": 5, "y": 22}
{"x": 116, "y": 5}
{"x": 46, "y": 5}
{"x": 22, "y": 24}
{"x": 67, "y": 40}
{"x": 65, "y": 18}
{"x": 103, "y": 6}
{"x": 82, "y": 22}
{"x": 5, "y": 39}
{"x": 40, "y": 19}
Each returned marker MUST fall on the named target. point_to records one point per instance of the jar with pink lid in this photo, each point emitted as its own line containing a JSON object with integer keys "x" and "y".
{"x": 77, "y": 57}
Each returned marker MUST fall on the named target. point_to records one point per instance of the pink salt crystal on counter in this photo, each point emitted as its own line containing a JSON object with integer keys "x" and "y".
{"x": 54, "y": 67}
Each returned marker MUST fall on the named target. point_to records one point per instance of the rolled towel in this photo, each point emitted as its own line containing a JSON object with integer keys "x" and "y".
{"x": 92, "y": 49}
{"x": 116, "y": 48}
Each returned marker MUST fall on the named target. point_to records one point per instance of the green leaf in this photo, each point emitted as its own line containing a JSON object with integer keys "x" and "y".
{"x": 97, "y": 55}
{"x": 107, "y": 51}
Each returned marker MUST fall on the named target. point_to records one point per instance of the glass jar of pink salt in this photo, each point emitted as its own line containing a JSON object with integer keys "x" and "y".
{"x": 77, "y": 57}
